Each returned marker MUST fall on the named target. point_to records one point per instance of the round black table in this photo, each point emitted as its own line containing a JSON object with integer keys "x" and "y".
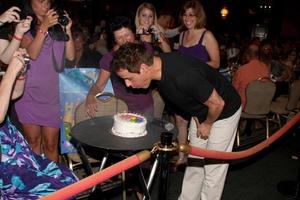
{"x": 96, "y": 132}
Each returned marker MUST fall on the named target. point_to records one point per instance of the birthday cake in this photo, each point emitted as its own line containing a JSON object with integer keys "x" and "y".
{"x": 129, "y": 125}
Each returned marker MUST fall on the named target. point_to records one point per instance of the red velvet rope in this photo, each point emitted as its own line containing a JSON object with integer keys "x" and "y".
{"x": 241, "y": 154}
{"x": 136, "y": 159}
{"x": 99, "y": 177}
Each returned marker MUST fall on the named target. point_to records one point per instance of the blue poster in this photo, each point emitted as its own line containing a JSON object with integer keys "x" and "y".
{"x": 74, "y": 85}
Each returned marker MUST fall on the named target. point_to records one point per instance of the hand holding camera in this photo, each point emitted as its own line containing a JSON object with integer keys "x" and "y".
{"x": 11, "y": 15}
{"x": 62, "y": 18}
{"x": 19, "y": 63}
{"x": 153, "y": 30}
{"x": 65, "y": 22}
{"x": 23, "y": 26}
{"x": 49, "y": 20}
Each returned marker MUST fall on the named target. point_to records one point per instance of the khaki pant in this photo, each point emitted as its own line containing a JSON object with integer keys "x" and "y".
{"x": 207, "y": 182}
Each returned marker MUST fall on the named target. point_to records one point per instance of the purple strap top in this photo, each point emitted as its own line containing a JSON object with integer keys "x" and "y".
{"x": 197, "y": 51}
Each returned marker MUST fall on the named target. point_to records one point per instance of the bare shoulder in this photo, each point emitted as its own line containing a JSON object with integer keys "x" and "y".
{"x": 209, "y": 35}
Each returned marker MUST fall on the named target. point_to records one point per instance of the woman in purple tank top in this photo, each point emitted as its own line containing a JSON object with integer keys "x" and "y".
{"x": 196, "y": 40}
{"x": 39, "y": 110}
{"x": 138, "y": 101}
{"x": 199, "y": 43}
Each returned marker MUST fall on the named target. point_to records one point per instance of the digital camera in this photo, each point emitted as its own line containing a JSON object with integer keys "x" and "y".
{"x": 26, "y": 59}
{"x": 26, "y": 67}
{"x": 152, "y": 31}
{"x": 62, "y": 19}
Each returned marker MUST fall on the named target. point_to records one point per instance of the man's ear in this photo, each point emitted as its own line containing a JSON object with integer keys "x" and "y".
{"x": 144, "y": 68}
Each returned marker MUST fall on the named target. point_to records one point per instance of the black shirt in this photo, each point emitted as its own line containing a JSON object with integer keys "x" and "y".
{"x": 187, "y": 83}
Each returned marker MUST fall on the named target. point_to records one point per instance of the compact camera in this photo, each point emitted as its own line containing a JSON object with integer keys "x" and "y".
{"x": 26, "y": 60}
{"x": 26, "y": 67}
{"x": 152, "y": 31}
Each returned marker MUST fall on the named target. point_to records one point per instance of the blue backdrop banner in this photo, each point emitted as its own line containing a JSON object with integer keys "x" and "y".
{"x": 74, "y": 85}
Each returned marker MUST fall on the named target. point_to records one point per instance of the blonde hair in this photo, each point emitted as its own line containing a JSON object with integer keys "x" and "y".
{"x": 140, "y": 8}
{"x": 198, "y": 11}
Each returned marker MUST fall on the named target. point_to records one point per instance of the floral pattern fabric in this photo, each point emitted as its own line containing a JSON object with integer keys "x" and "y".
{"x": 25, "y": 175}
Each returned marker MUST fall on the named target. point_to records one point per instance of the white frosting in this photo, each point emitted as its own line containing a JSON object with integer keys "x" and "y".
{"x": 129, "y": 125}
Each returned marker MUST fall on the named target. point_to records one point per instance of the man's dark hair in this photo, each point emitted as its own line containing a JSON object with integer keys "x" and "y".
{"x": 130, "y": 56}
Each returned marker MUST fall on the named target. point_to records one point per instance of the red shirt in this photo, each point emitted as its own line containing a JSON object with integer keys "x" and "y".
{"x": 251, "y": 71}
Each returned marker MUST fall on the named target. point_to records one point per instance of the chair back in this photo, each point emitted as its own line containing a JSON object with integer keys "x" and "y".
{"x": 259, "y": 95}
{"x": 294, "y": 95}
{"x": 159, "y": 104}
{"x": 107, "y": 105}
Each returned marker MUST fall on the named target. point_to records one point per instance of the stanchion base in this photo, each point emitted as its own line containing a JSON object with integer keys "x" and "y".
{"x": 289, "y": 189}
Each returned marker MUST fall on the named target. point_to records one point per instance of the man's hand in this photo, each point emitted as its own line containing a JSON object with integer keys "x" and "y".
{"x": 203, "y": 129}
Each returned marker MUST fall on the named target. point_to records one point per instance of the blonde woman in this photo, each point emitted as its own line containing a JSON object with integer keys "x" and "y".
{"x": 147, "y": 28}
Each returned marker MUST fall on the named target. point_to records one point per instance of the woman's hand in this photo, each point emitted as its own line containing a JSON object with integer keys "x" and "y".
{"x": 17, "y": 63}
{"x": 49, "y": 20}
{"x": 69, "y": 25}
{"x": 11, "y": 15}
{"x": 23, "y": 26}
{"x": 142, "y": 30}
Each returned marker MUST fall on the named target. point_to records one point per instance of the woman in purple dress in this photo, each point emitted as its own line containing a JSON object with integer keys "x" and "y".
{"x": 38, "y": 110}
{"x": 200, "y": 43}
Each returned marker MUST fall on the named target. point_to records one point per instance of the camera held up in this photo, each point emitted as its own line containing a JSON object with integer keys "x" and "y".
{"x": 26, "y": 67}
{"x": 152, "y": 31}
{"x": 58, "y": 31}
{"x": 62, "y": 19}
